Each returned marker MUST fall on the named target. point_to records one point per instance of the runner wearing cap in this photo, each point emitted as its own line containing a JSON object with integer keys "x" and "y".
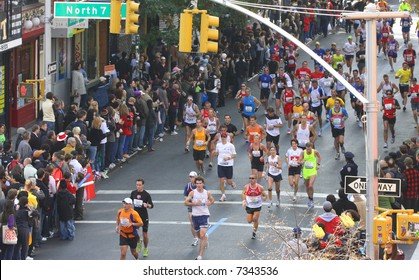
{"x": 190, "y": 186}
{"x": 349, "y": 50}
{"x": 226, "y": 153}
{"x": 127, "y": 222}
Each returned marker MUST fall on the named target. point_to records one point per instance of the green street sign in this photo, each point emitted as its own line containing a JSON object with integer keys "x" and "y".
{"x": 86, "y": 10}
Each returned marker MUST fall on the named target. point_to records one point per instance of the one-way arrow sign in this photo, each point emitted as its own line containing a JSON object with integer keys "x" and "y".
{"x": 52, "y": 68}
{"x": 386, "y": 186}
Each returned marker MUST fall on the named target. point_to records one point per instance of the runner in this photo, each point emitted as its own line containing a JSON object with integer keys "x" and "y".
{"x": 239, "y": 97}
{"x": 327, "y": 83}
{"x": 292, "y": 157}
{"x": 304, "y": 132}
{"x": 190, "y": 114}
{"x": 409, "y": 56}
{"x": 274, "y": 171}
{"x": 254, "y": 129}
{"x": 142, "y": 201}
{"x": 200, "y": 137}
{"x": 253, "y": 196}
{"x": 302, "y": 73}
{"x": 127, "y": 220}
{"x": 304, "y": 91}
{"x": 190, "y": 186}
{"x": 200, "y": 199}
{"x": 349, "y": 49}
{"x": 356, "y": 103}
{"x": 281, "y": 79}
{"x": 310, "y": 160}
{"x": 414, "y": 102}
{"x": 405, "y": 23}
{"x": 386, "y": 85}
{"x": 272, "y": 126}
{"x": 291, "y": 57}
{"x": 341, "y": 88}
{"x": 265, "y": 82}
{"x": 231, "y": 128}
{"x": 288, "y": 96}
{"x": 317, "y": 96}
{"x": 386, "y": 30}
{"x": 311, "y": 118}
{"x": 250, "y": 106}
{"x": 393, "y": 48}
{"x": 257, "y": 152}
{"x": 226, "y": 153}
{"x": 404, "y": 75}
{"x": 212, "y": 123}
{"x": 389, "y": 106}
{"x": 297, "y": 110}
{"x": 337, "y": 117}
{"x": 337, "y": 59}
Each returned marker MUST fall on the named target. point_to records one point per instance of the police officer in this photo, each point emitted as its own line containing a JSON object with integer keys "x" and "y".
{"x": 350, "y": 168}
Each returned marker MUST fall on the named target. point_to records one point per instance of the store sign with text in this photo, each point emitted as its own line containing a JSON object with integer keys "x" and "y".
{"x": 10, "y": 24}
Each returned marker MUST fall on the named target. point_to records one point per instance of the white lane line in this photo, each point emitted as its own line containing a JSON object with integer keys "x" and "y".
{"x": 283, "y": 205}
{"x": 183, "y": 223}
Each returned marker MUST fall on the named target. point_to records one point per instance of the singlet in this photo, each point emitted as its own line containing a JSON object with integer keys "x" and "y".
{"x": 315, "y": 94}
{"x": 305, "y": 94}
{"x": 297, "y": 110}
{"x": 337, "y": 59}
{"x": 257, "y": 154}
{"x": 389, "y": 105}
{"x": 219, "y": 138}
{"x": 212, "y": 126}
{"x": 289, "y": 96}
{"x": 291, "y": 60}
{"x": 201, "y": 210}
{"x": 265, "y": 81}
{"x": 253, "y": 197}
{"x": 253, "y": 131}
{"x": 392, "y": 45}
{"x": 405, "y": 22}
{"x": 189, "y": 114}
{"x": 275, "y": 120}
{"x": 385, "y": 31}
{"x": 309, "y": 115}
{"x": 293, "y": 156}
{"x": 248, "y": 106}
{"x": 199, "y": 144}
{"x": 414, "y": 90}
{"x": 303, "y": 135}
{"x": 273, "y": 169}
{"x": 349, "y": 48}
{"x": 310, "y": 163}
{"x": 326, "y": 84}
{"x": 409, "y": 56}
{"x": 337, "y": 118}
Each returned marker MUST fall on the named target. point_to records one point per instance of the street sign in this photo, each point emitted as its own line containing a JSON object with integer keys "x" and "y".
{"x": 89, "y": 10}
{"x": 386, "y": 186}
{"x": 52, "y": 68}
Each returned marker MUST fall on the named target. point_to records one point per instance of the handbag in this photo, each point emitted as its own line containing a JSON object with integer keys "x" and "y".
{"x": 9, "y": 235}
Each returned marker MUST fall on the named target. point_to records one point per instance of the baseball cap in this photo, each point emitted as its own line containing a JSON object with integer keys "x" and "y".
{"x": 327, "y": 206}
{"x": 296, "y": 230}
{"x": 349, "y": 37}
{"x": 317, "y": 43}
{"x": 297, "y": 96}
{"x": 162, "y": 58}
{"x": 102, "y": 79}
{"x": 193, "y": 173}
{"x": 349, "y": 155}
{"x": 127, "y": 200}
{"x": 407, "y": 142}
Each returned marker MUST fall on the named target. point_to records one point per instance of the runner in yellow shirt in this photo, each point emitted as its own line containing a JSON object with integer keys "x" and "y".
{"x": 404, "y": 75}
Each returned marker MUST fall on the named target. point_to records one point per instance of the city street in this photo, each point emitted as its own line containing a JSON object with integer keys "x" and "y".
{"x": 166, "y": 170}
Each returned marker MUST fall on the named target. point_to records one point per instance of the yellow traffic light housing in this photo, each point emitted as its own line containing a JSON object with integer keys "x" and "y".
{"x": 185, "y": 32}
{"x": 382, "y": 230}
{"x": 115, "y": 21}
{"x": 208, "y": 33}
{"x": 407, "y": 226}
{"x": 132, "y": 17}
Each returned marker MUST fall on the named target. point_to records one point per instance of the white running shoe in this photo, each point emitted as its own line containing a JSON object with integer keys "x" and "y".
{"x": 195, "y": 241}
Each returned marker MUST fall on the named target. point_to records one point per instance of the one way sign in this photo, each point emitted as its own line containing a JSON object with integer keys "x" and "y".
{"x": 386, "y": 187}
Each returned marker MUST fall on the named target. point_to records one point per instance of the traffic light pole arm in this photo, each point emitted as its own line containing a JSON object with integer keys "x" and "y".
{"x": 387, "y": 212}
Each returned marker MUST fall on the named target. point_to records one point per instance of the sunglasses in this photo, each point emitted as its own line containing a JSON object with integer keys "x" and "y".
{"x": 252, "y": 178}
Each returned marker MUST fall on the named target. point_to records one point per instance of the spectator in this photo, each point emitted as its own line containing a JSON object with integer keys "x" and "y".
{"x": 331, "y": 221}
{"x": 343, "y": 204}
{"x": 47, "y": 106}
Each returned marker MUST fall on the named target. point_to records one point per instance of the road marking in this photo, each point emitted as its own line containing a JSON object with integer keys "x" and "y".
{"x": 283, "y": 205}
{"x": 183, "y": 223}
{"x": 217, "y": 224}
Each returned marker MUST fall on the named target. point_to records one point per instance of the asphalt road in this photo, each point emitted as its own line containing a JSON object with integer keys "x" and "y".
{"x": 166, "y": 170}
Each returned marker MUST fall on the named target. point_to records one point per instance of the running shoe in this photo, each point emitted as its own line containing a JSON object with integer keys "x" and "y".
{"x": 385, "y": 146}
{"x": 161, "y": 134}
{"x": 145, "y": 252}
{"x": 253, "y": 235}
{"x": 310, "y": 203}
{"x": 210, "y": 165}
{"x": 140, "y": 246}
{"x": 112, "y": 165}
{"x": 393, "y": 139}
{"x": 320, "y": 132}
{"x": 342, "y": 148}
{"x": 269, "y": 205}
{"x": 277, "y": 203}
{"x": 174, "y": 133}
{"x": 29, "y": 258}
{"x": 199, "y": 258}
{"x": 337, "y": 157}
{"x": 234, "y": 185}
{"x": 404, "y": 108}
{"x": 360, "y": 124}
{"x": 187, "y": 149}
{"x": 294, "y": 198}
{"x": 195, "y": 242}
{"x": 289, "y": 131}
{"x": 223, "y": 198}
{"x": 207, "y": 154}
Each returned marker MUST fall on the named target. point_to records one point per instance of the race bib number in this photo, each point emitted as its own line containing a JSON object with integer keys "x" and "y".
{"x": 252, "y": 199}
{"x": 256, "y": 153}
{"x": 405, "y": 24}
{"x": 248, "y": 109}
{"x": 288, "y": 99}
{"x": 265, "y": 85}
{"x": 385, "y": 35}
{"x": 138, "y": 203}
{"x": 309, "y": 165}
{"x": 296, "y": 115}
{"x": 314, "y": 99}
{"x": 199, "y": 143}
{"x": 388, "y": 106}
{"x": 291, "y": 61}
{"x": 337, "y": 121}
{"x": 409, "y": 58}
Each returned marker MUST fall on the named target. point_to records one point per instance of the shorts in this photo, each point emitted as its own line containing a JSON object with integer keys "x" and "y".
{"x": 246, "y": 116}
{"x": 403, "y": 89}
{"x": 264, "y": 93}
{"x": 225, "y": 171}
{"x": 392, "y": 54}
{"x": 145, "y": 224}
{"x": 189, "y": 209}
{"x": 347, "y": 57}
{"x": 389, "y": 120}
{"x": 200, "y": 222}
{"x": 191, "y": 125}
{"x": 257, "y": 164}
{"x": 289, "y": 69}
{"x": 384, "y": 40}
{"x": 317, "y": 110}
{"x": 307, "y": 173}
{"x": 415, "y": 105}
{"x": 212, "y": 136}
{"x": 131, "y": 242}
{"x": 340, "y": 92}
{"x": 198, "y": 155}
{"x": 288, "y": 108}
{"x": 379, "y": 36}
{"x": 277, "y": 178}
{"x": 278, "y": 94}
{"x": 406, "y": 29}
{"x": 294, "y": 170}
{"x": 251, "y": 211}
{"x": 337, "y": 132}
{"x": 273, "y": 139}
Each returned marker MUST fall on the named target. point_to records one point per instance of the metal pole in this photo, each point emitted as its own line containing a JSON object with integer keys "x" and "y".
{"x": 47, "y": 45}
{"x": 371, "y": 149}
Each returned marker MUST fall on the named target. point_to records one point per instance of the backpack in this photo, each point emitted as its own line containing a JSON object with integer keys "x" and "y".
{"x": 57, "y": 173}
{"x": 210, "y": 83}
{"x": 398, "y": 175}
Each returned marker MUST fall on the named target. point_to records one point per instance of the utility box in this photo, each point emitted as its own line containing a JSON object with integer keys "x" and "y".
{"x": 382, "y": 230}
{"x": 407, "y": 226}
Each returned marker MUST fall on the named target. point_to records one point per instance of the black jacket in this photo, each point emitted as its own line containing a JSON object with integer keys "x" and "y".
{"x": 65, "y": 203}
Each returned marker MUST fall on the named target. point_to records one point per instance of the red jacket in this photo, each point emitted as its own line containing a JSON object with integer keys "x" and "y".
{"x": 128, "y": 123}
{"x": 331, "y": 222}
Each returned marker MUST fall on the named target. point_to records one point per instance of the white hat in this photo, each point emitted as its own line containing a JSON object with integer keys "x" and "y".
{"x": 193, "y": 173}
{"x": 201, "y": 68}
{"x": 102, "y": 79}
{"x": 223, "y": 56}
{"x": 127, "y": 200}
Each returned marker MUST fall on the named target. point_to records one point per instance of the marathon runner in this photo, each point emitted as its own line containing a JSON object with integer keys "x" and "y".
{"x": 310, "y": 160}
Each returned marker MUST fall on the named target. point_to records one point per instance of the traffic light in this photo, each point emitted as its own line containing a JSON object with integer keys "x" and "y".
{"x": 382, "y": 229}
{"x": 208, "y": 33}
{"x": 115, "y": 24}
{"x": 185, "y": 32}
{"x": 407, "y": 226}
{"x": 132, "y": 18}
